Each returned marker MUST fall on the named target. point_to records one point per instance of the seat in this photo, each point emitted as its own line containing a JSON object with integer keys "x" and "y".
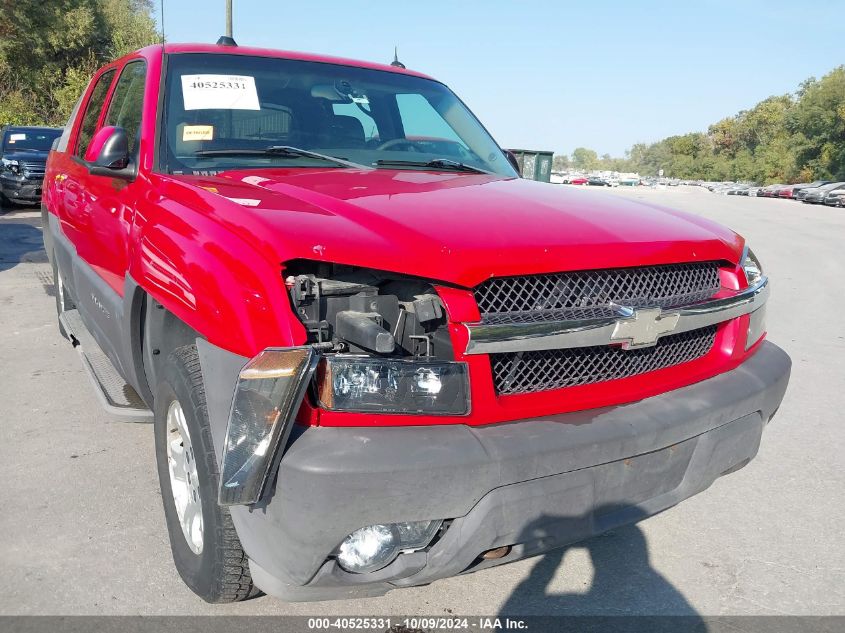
{"x": 346, "y": 131}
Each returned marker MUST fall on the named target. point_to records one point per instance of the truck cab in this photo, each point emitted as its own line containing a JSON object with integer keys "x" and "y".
{"x": 373, "y": 356}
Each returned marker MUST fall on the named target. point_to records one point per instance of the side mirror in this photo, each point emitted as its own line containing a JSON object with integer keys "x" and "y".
{"x": 513, "y": 161}
{"x": 108, "y": 153}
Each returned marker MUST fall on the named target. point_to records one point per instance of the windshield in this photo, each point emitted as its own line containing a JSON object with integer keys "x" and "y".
{"x": 222, "y": 111}
{"x": 833, "y": 185}
{"x": 29, "y": 140}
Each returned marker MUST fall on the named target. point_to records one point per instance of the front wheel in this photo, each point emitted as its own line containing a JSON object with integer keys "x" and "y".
{"x": 205, "y": 546}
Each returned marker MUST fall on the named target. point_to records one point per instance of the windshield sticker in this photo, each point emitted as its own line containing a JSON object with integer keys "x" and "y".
{"x": 198, "y": 133}
{"x": 361, "y": 99}
{"x": 17, "y": 137}
{"x": 219, "y": 92}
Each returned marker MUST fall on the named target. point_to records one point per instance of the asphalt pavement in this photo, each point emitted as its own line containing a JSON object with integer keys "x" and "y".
{"x": 84, "y": 528}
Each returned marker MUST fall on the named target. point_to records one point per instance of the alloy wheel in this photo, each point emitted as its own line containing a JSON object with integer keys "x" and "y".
{"x": 184, "y": 482}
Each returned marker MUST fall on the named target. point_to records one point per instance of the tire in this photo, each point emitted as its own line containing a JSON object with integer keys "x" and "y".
{"x": 63, "y": 300}
{"x": 219, "y": 571}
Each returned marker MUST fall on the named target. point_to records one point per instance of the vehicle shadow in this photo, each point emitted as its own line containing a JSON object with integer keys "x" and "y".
{"x": 20, "y": 242}
{"x": 624, "y": 584}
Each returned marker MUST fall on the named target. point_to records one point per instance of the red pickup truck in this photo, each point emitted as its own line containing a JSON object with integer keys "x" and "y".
{"x": 373, "y": 355}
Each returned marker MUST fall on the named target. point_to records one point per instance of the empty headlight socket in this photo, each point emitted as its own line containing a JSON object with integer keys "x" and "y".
{"x": 366, "y": 313}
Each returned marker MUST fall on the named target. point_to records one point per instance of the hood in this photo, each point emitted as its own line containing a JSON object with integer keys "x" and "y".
{"x": 29, "y": 156}
{"x": 456, "y": 228}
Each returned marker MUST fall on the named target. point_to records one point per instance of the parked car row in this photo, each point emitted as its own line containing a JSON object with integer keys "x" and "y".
{"x": 596, "y": 181}
{"x": 575, "y": 179}
{"x": 608, "y": 181}
{"x": 818, "y": 192}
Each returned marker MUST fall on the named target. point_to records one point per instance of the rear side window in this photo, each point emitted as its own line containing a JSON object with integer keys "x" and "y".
{"x": 64, "y": 140}
{"x": 127, "y": 102}
{"x": 92, "y": 112}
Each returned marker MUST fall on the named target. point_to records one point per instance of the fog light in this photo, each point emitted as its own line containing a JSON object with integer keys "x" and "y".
{"x": 368, "y": 549}
{"x": 376, "y": 546}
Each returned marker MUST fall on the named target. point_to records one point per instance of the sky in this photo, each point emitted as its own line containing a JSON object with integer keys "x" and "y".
{"x": 558, "y": 75}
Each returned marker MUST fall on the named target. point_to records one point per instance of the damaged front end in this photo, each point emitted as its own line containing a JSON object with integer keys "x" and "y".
{"x": 366, "y": 311}
{"x": 376, "y": 343}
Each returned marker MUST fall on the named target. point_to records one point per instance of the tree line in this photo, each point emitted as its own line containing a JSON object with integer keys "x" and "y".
{"x": 790, "y": 138}
{"x": 50, "y": 48}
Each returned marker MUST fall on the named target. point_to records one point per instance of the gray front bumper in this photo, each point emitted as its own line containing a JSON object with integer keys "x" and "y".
{"x": 25, "y": 189}
{"x": 534, "y": 484}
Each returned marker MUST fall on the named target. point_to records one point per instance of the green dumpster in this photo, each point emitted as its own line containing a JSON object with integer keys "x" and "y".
{"x": 534, "y": 164}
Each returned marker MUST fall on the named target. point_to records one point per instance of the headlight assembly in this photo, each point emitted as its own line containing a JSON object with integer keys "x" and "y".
{"x": 751, "y": 266}
{"x": 347, "y": 382}
{"x": 13, "y": 166}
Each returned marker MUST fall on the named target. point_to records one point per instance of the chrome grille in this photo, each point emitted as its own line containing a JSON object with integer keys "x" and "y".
{"x": 588, "y": 294}
{"x": 528, "y": 372}
{"x": 32, "y": 169}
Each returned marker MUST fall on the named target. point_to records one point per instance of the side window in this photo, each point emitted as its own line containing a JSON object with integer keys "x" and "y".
{"x": 64, "y": 139}
{"x": 127, "y": 102}
{"x": 92, "y": 112}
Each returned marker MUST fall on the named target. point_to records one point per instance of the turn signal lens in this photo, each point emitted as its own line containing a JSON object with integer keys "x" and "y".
{"x": 756, "y": 326}
{"x": 270, "y": 390}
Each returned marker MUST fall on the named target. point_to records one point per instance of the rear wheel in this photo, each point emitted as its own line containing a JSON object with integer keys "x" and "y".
{"x": 206, "y": 549}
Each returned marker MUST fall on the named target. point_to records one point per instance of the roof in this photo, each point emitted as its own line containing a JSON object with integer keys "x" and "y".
{"x": 269, "y": 52}
{"x": 31, "y": 127}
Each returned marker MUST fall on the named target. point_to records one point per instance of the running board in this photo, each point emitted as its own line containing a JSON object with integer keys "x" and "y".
{"x": 114, "y": 393}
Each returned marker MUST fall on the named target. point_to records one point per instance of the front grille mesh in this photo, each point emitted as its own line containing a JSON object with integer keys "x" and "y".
{"x": 588, "y": 294}
{"x": 33, "y": 169}
{"x": 528, "y": 372}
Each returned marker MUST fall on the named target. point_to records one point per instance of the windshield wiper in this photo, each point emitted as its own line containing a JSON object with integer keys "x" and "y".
{"x": 280, "y": 151}
{"x": 437, "y": 163}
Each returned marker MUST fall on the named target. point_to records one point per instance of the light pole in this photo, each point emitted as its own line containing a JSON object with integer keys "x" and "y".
{"x": 228, "y": 18}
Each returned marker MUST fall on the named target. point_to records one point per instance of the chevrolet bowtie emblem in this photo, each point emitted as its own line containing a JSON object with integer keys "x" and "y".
{"x": 642, "y": 327}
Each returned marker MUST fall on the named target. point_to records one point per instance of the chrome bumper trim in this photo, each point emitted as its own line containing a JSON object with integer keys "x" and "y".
{"x": 527, "y": 337}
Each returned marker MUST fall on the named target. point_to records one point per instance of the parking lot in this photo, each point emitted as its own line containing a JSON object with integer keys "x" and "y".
{"x": 84, "y": 529}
